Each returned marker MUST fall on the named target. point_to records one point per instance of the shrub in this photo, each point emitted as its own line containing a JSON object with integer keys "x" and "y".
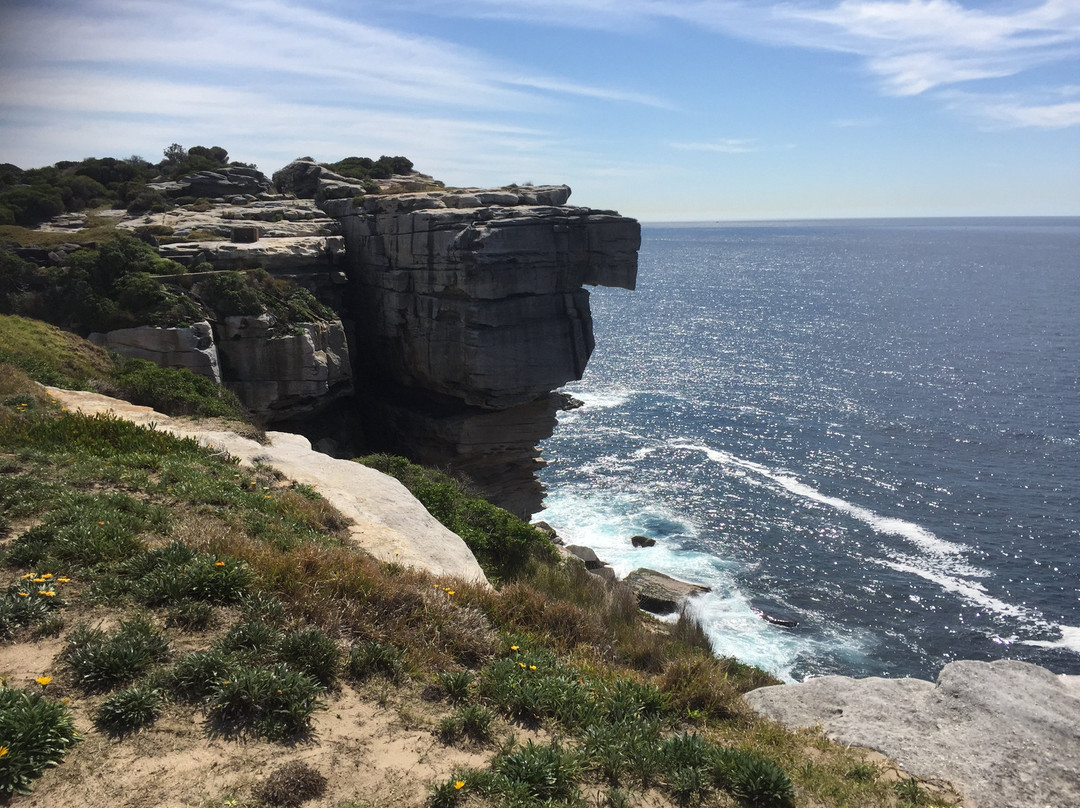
{"x": 174, "y": 391}
{"x": 502, "y": 543}
{"x": 128, "y": 710}
{"x": 313, "y": 653}
{"x": 252, "y": 637}
{"x": 191, "y": 616}
{"x": 290, "y": 785}
{"x": 268, "y": 700}
{"x": 456, "y": 684}
{"x": 752, "y": 779}
{"x": 35, "y": 734}
{"x": 375, "y": 658}
{"x": 31, "y": 204}
{"x": 100, "y": 661}
{"x": 546, "y": 772}
{"x": 197, "y": 675}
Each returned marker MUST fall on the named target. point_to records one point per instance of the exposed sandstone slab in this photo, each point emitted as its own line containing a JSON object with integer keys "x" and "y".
{"x": 1006, "y": 733}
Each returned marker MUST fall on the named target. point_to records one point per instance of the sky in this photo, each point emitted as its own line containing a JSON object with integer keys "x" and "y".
{"x": 665, "y": 110}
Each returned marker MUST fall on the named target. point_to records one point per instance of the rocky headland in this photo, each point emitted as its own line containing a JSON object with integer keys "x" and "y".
{"x": 459, "y": 311}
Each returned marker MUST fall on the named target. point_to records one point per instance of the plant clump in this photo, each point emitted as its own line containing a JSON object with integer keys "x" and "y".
{"x": 291, "y": 785}
{"x": 35, "y": 734}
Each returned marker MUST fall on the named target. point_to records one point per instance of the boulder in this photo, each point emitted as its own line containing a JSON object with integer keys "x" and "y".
{"x": 191, "y": 347}
{"x": 659, "y": 593}
{"x": 586, "y": 554}
{"x": 548, "y": 531}
{"x": 224, "y": 182}
{"x": 642, "y": 541}
{"x": 1006, "y": 733}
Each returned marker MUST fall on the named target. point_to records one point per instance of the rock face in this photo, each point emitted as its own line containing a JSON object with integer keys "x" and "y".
{"x": 192, "y": 347}
{"x": 659, "y": 593}
{"x": 470, "y": 310}
{"x": 280, "y": 375}
{"x": 1006, "y": 733}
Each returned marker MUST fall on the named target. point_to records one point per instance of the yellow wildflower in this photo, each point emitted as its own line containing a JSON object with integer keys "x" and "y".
{"x": 24, "y": 594}
{"x": 64, "y": 580}
{"x": 459, "y": 784}
{"x": 449, "y": 591}
{"x": 532, "y": 667}
{"x": 39, "y": 580}
{"x": 513, "y": 647}
{"x": 219, "y": 563}
{"x": 522, "y": 664}
{"x": 101, "y": 523}
{"x": 46, "y": 575}
{"x": 28, "y": 575}
{"x": 47, "y": 593}
{"x": 3, "y": 751}
{"x": 43, "y": 680}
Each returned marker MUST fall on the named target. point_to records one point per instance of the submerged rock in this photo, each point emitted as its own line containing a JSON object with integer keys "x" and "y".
{"x": 642, "y": 541}
{"x": 1006, "y": 733}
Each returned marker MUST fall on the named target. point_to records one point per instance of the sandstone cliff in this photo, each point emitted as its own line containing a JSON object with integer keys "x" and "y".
{"x": 461, "y": 311}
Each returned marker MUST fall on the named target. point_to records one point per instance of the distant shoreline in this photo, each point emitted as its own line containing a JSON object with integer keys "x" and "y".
{"x": 892, "y": 221}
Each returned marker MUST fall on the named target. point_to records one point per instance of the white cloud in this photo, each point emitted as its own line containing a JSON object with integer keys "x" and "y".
{"x": 1051, "y": 110}
{"x": 910, "y": 46}
{"x": 725, "y": 146}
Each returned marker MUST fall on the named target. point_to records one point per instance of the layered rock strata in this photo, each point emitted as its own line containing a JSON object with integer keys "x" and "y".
{"x": 470, "y": 312}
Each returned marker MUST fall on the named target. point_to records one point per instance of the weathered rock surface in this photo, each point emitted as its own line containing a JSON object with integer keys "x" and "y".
{"x": 388, "y": 521}
{"x": 1006, "y": 733}
{"x": 474, "y": 314}
{"x": 192, "y": 347}
{"x": 280, "y": 375}
{"x": 586, "y": 554}
{"x": 659, "y": 593}
{"x": 227, "y": 181}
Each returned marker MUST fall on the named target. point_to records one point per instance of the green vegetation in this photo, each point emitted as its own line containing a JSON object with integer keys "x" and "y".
{"x": 503, "y": 544}
{"x": 35, "y": 733}
{"x": 364, "y": 168}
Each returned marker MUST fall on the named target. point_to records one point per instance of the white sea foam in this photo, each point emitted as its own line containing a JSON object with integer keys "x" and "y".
{"x": 602, "y": 399}
{"x": 915, "y": 534}
{"x": 1070, "y": 640}
{"x": 971, "y": 591}
{"x": 606, "y": 522}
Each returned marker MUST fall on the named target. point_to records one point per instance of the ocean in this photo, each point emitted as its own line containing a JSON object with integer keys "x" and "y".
{"x": 870, "y": 427}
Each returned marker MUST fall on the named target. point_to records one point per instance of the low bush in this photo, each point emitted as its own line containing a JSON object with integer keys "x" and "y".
{"x": 102, "y": 661}
{"x": 271, "y": 701}
{"x": 35, "y": 734}
{"x": 374, "y": 658}
{"x": 311, "y": 652}
{"x": 503, "y": 544}
{"x": 174, "y": 391}
{"x": 128, "y": 710}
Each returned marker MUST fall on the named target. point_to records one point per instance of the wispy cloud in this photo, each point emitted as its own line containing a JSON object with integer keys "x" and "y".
{"x": 1052, "y": 110}
{"x": 725, "y": 146}
{"x": 910, "y": 46}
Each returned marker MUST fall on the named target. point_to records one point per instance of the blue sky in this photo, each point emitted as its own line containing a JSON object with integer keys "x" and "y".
{"x": 666, "y": 110}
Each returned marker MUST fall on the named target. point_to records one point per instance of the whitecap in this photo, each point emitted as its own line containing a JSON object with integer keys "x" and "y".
{"x": 913, "y": 533}
{"x": 1070, "y": 640}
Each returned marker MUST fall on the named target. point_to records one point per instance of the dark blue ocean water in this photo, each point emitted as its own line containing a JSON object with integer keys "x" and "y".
{"x": 870, "y": 426}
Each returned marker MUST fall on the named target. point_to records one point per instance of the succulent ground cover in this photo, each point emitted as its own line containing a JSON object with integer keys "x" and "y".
{"x": 154, "y": 593}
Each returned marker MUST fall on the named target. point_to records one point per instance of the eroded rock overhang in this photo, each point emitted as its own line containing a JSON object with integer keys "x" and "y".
{"x": 471, "y": 310}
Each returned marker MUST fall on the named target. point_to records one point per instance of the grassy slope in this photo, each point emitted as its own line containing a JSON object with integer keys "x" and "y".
{"x": 256, "y": 618}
